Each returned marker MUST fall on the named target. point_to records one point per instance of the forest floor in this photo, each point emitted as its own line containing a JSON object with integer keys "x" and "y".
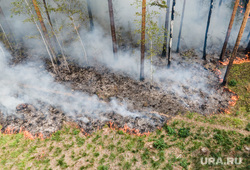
{"x": 180, "y": 144}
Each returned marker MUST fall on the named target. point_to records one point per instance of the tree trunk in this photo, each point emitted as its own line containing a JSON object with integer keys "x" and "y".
{"x": 220, "y": 3}
{"x": 51, "y": 26}
{"x": 165, "y": 44}
{"x": 47, "y": 12}
{"x": 6, "y": 24}
{"x": 229, "y": 30}
{"x": 6, "y": 37}
{"x": 79, "y": 36}
{"x": 208, "y": 23}
{"x": 182, "y": 18}
{"x": 171, "y": 33}
{"x": 248, "y": 47}
{"x": 44, "y": 29}
{"x": 242, "y": 28}
{"x": 112, "y": 25}
{"x": 44, "y": 41}
{"x": 91, "y": 22}
{"x": 143, "y": 35}
{"x": 151, "y": 59}
{"x": 248, "y": 37}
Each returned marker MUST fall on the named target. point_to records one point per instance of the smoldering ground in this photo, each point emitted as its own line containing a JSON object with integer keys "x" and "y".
{"x": 188, "y": 83}
{"x": 32, "y": 87}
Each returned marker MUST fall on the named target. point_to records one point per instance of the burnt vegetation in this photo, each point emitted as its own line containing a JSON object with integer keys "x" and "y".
{"x": 124, "y": 85}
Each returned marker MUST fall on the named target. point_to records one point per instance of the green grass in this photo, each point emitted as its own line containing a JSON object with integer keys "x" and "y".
{"x": 159, "y": 150}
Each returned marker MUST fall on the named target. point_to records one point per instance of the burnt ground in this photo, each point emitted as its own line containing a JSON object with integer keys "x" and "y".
{"x": 150, "y": 96}
{"x": 105, "y": 84}
{"x": 153, "y": 102}
{"x": 49, "y": 120}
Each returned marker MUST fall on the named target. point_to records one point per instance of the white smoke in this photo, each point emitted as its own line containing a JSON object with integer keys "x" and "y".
{"x": 30, "y": 83}
{"x": 99, "y": 48}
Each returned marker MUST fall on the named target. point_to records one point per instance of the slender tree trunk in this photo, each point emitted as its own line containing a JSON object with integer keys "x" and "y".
{"x": 220, "y": 3}
{"x": 51, "y": 26}
{"x": 44, "y": 40}
{"x": 165, "y": 44}
{"x": 143, "y": 35}
{"x": 151, "y": 59}
{"x": 44, "y": 29}
{"x": 171, "y": 33}
{"x": 112, "y": 25}
{"x": 206, "y": 35}
{"x": 91, "y": 22}
{"x": 182, "y": 18}
{"x": 56, "y": 41}
{"x": 242, "y": 28}
{"x": 248, "y": 37}
{"x": 6, "y": 37}
{"x": 47, "y": 12}
{"x": 3, "y": 18}
{"x": 78, "y": 34}
{"x": 229, "y": 30}
{"x": 248, "y": 47}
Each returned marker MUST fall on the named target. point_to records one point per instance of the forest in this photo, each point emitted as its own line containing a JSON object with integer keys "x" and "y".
{"x": 124, "y": 84}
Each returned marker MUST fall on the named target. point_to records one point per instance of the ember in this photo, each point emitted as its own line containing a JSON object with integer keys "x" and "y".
{"x": 234, "y": 100}
{"x": 238, "y": 60}
{"x": 128, "y": 130}
{"x": 10, "y": 130}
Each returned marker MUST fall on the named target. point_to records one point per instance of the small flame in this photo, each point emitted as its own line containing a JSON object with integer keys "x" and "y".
{"x": 226, "y": 111}
{"x": 234, "y": 100}
{"x": 84, "y": 132}
{"x": 238, "y": 60}
{"x": 26, "y": 134}
{"x": 128, "y": 130}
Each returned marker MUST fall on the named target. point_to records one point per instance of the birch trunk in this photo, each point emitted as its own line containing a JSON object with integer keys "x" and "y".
{"x": 55, "y": 38}
{"x": 182, "y": 18}
{"x": 165, "y": 44}
{"x": 3, "y": 18}
{"x": 78, "y": 34}
{"x": 44, "y": 29}
{"x": 6, "y": 37}
{"x": 171, "y": 34}
{"x": 44, "y": 40}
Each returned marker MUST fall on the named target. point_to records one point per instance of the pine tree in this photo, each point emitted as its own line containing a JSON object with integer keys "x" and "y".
{"x": 112, "y": 26}
{"x": 229, "y": 29}
{"x": 143, "y": 35}
{"x": 236, "y": 46}
{"x": 248, "y": 47}
{"x": 206, "y": 34}
{"x": 91, "y": 22}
